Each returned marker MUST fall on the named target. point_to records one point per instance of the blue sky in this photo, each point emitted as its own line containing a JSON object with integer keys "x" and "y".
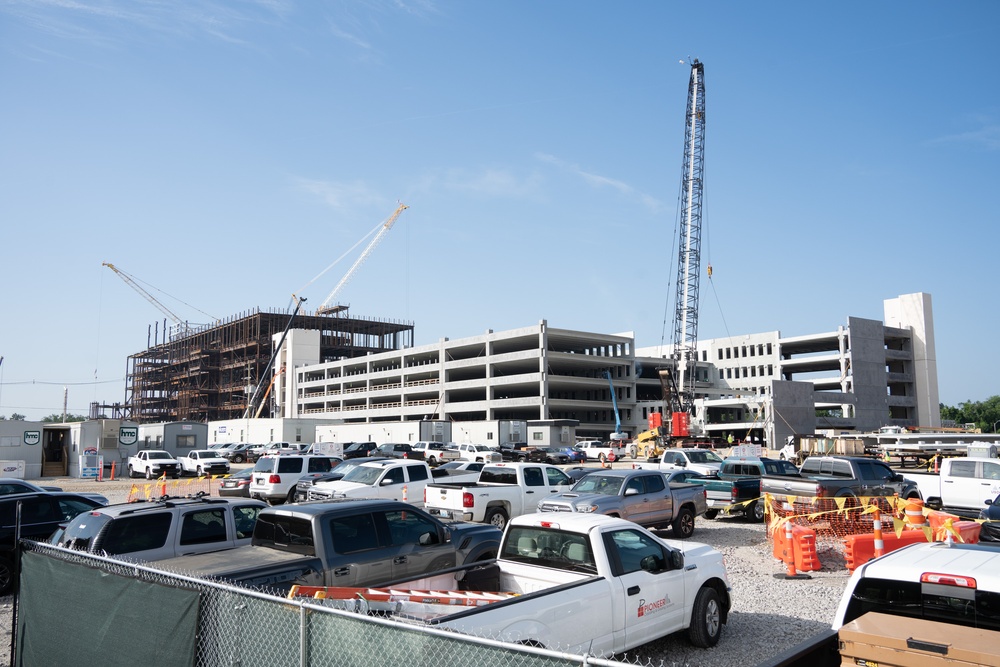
{"x": 227, "y": 153}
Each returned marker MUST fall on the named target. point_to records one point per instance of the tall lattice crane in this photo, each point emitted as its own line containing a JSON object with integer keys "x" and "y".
{"x": 326, "y": 306}
{"x": 685, "y": 341}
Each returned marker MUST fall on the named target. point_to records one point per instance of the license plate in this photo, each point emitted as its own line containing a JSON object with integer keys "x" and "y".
{"x": 441, "y": 513}
{"x": 228, "y": 485}
{"x": 259, "y": 482}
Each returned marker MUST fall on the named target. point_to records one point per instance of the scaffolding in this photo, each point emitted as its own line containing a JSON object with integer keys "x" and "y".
{"x": 206, "y": 374}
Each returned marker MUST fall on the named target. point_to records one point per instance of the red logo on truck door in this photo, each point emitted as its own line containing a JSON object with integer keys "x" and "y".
{"x": 651, "y": 607}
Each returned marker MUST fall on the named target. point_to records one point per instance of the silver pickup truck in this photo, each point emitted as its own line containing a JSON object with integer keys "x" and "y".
{"x": 644, "y": 497}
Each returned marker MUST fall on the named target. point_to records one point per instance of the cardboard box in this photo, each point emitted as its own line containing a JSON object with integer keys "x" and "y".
{"x": 882, "y": 640}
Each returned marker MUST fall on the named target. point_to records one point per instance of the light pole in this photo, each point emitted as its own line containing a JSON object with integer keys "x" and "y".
{"x": 995, "y": 425}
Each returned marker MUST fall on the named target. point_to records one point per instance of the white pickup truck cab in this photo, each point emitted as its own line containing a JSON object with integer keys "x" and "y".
{"x": 704, "y": 461}
{"x": 391, "y": 479}
{"x": 964, "y": 484}
{"x": 504, "y": 490}
{"x": 202, "y": 462}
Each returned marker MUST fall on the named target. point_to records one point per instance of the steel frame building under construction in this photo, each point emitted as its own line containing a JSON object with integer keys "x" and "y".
{"x": 209, "y": 373}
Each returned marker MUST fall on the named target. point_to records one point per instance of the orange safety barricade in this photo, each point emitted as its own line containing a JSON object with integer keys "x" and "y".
{"x": 859, "y": 549}
{"x": 803, "y": 548}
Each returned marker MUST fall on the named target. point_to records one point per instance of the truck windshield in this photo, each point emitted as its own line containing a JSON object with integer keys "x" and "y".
{"x": 158, "y": 455}
{"x": 549, "y": 547}
{"x": 364, "y": 475}
{"x": 704, "y": 457}
{"x": 604, "y": 485}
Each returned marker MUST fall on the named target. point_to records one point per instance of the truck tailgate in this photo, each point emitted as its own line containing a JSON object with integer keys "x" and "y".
{"x": 444, "y": 500}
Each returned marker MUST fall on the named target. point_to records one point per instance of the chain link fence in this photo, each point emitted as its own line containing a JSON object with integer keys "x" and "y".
{"x": 114, "y": 612}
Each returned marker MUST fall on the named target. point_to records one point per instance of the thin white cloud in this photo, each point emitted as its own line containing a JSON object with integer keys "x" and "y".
{"x": 987, "y": 137}
{"x": 598, "y": 181}
{"x": 340, "y": 195}
{"x": 486, "y": 182}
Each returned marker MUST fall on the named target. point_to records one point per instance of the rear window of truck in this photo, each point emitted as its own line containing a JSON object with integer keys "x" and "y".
{"x": 287, "y": 533}
{"x": 974, "y": 608}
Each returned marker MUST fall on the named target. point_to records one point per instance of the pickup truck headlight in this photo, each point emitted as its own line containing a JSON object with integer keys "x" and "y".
{"x": 586, "y": 508}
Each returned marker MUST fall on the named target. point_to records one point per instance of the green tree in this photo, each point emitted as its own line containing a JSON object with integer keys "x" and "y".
{"x": 984, "y": 414}
{"x": 59, "y": 418}
{"x": 17, "y": 417}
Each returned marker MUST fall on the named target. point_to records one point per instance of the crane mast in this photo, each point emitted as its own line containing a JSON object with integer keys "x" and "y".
{"x": 326, "y": 306}
{"x": 685, "y": 339}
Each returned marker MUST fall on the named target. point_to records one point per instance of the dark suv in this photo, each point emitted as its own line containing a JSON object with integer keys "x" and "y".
{"x": 41, "y": 515}
{"x": 356, "y": 450}
{"x": 398, "y": 450}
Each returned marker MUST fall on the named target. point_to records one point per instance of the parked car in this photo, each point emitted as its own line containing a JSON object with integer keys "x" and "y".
{"x": 480, "y": 453}
{"x": 202, "y": 462}
{"x": 275, "y": 475}
{"x": 9, "y": 485}
{"x": 642, "y": 496}
{"x": 435, "y": 452}
{"x": 549, "y": 455}
{"x": 236, "y": 485}
{"x": 340, "y": 469}
{"x": 398, "y": 450}
{"x": 238, "y": 453}
{"x": 357, "y": 450}
{"x": 153, "y": 463}
{"x": 344, "y": 542}
{"x": 579, "y": 472}
{"x": 990, "y": 532}
{"x": 163, "y": 529}
{"x": 41, "y": 515}
{"x": 574, "y": 454}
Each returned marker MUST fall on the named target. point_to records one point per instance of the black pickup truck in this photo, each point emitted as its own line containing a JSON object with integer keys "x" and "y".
{"x": 735, "y": 489}
{"x": 343, "y": 542}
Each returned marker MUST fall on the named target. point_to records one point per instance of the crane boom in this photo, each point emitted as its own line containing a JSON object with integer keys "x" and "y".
{"x": 326, "y": 306}
{"x": 689, "y": 249}
{"x": 149, "y": 297}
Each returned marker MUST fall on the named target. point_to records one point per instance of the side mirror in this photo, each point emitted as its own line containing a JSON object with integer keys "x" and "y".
{"x": 427, "y": 539}
{"x": 631, "y": 492}
{"x": 385, "y": 482}
{"x": 652, "y": 563}
{"x": 676, "y": 560}
{"x": 989, "y": 501}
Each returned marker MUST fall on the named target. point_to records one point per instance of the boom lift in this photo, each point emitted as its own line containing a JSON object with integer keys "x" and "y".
{"x": 326, "y": 307}
{"x": 618, "y": 434}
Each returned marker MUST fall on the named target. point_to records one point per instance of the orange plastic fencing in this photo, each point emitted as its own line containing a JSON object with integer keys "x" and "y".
{"x": 174, "y": 487}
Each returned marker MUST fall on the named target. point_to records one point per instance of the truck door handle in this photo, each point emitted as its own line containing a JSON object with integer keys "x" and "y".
{"x": 633, "y": 590}
{"x": 341, "y": 571}
{"x": 529, "y": 491}
{"x": 398, "y": 560}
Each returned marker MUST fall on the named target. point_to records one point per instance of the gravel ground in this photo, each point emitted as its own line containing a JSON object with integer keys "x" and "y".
{"x": 769, "y": 615}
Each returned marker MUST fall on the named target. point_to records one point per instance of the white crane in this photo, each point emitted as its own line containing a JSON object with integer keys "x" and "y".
{"x": 181, "y": 325}
{"x": 326, "y": 306}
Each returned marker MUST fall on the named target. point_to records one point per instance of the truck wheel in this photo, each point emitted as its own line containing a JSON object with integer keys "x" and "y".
{"x": 755, "y": 512}
{"x": 522, "y": 458}
{"x": 495, "y": 516}
{"x": 632, "y": 452}
{"x": 131, "y": 473}
{"x": 683, "y": 525}
{"x": 431, "y": 461}
{"x": 238, "y": 458}
{"x": 291, "y": 495}
{"x": 149, "y": 473}
{"x": 706, "y": 619}
{"x": 711, "y": 514}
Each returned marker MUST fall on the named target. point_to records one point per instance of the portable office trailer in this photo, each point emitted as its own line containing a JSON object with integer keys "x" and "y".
{"x": 178, "y": 438}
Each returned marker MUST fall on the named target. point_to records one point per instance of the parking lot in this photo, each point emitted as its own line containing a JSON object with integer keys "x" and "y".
{"x": 768, "y": 616}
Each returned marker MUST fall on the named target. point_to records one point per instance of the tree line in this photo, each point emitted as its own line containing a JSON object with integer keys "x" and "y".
{"x": 984, "y": 414}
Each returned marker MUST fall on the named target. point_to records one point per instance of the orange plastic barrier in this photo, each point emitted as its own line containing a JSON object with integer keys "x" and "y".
{"x": 803, "y": 548}
{"x": 936, "y": 519}
{"x": 859, "y": 549}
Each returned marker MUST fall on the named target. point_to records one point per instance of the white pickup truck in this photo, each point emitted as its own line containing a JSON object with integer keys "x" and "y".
{"x": 704, "y": 461}
{"x": 504, "y": 490}
{"x": 153, "y": 463}
{"x": 203, "y": 462}
{"x": 963, "y": 485}
{"x": 580, "y": 583}
{"x": 389, "y": 479}
{"x": 602, "y": 451}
